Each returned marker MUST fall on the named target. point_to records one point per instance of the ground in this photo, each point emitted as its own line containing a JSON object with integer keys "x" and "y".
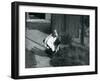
{"x": 67, "y": 56}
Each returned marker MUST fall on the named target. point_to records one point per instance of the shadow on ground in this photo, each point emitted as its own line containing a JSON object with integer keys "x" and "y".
{"x": 66, "y": 56}
{"x": 70, "y": 56}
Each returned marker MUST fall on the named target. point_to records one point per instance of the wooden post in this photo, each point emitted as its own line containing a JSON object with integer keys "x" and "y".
{"x": 82, "y": 31}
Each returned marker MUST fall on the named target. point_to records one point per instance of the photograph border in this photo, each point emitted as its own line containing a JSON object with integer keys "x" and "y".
{"x": 15, "y": 39}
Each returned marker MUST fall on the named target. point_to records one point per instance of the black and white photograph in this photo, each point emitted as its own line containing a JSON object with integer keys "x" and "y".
{"x": 50, "y": 40}
{"x": 53, "y": 40}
